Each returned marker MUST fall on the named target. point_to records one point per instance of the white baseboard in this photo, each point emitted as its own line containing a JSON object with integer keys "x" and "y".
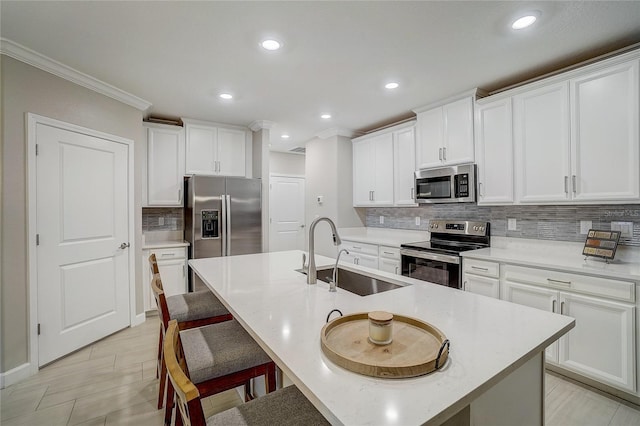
{"x": 15, "y": 375}
{"x": 139, "y": 319}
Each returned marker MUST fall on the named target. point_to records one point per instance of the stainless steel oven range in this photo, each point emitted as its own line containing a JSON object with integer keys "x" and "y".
{"x": 438, "y": 260}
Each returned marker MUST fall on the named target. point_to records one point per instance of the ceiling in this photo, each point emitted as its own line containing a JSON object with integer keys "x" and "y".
{"x": 336, "y": 56}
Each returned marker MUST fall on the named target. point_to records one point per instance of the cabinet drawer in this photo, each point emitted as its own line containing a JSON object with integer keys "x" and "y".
{"x": 169, "y": 253}
{"x": 481, "y": 267}
{"x": 389, "y": 252}
{"x": 389, "y": 265}
{"x": 364, "y": 248}
{"x": 605, "y": 287}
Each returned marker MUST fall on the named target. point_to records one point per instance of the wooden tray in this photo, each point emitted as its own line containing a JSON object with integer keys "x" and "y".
{"x": 417, "y": 348}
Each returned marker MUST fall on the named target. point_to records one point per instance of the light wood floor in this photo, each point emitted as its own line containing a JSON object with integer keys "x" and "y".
{"x": 113, "y": 382}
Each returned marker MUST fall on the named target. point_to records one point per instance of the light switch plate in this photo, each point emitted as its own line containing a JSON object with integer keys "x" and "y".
{"x": 161, "y": 221}
{"x": 585, "y": 225}
{"x": 625, "y": 228}
{"x": 381, "y": 220}
{"x": 417, "y": 220}
{"x": 511, "y": 224}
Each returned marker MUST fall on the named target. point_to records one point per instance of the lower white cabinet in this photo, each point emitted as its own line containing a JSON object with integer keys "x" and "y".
{"x": 389, "y": 259}
{"x": 481, "y": 277}
{"x": 602, "y": 344}
{"x": 172, "y": 263}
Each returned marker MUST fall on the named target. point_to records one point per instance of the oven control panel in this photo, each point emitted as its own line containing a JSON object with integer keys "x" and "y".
{"x": 464, "y": 227}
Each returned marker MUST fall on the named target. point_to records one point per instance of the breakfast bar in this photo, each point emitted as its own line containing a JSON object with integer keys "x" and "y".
{"x": 494, "y": 372}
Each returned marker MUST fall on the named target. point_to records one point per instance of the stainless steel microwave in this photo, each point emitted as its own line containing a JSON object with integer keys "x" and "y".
{"x": 452, "y": 184}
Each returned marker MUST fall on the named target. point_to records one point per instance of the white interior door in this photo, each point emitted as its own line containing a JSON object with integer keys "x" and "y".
{"x": 286, "y": 213}
{"x": 82, "y": 220}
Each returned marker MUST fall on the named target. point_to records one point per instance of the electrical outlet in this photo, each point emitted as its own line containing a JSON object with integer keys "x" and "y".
{"x": 511, "y": 224}
{"x": 320, "y": 199}
{"x": 625, "y": 228}
{"x": 161, "y": 220}
{"x": 381, "y": 220}
{"x": 417, "y": 220}
{"x": 585, "y": 225}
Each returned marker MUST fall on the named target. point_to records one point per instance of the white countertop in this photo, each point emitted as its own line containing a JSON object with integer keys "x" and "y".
{"x": 489, "y": 338}
{"x": 382, "y": 236}
{"x": 563, "y": 256}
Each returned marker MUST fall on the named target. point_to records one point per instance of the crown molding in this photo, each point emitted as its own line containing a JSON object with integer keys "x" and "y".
{"x": 334, "y": 131}
{"x": 38, "y": 60}
{"x": 261, "y": 124}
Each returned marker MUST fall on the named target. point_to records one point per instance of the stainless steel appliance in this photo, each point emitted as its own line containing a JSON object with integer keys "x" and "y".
{"x": 222, "y": 218}
{"x": 453, "y": 184}
{"x": 438, "y": 260}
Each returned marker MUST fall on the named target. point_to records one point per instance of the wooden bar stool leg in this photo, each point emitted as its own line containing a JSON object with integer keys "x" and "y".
{"x": 270, "y": 378}
{"x": 168, "y": 410}
{"x": 163, "y": 381}
{"x": 160, "y": 340}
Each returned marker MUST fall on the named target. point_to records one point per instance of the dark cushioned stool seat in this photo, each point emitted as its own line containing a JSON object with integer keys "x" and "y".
{"x": 195, "y": 306}
{"x": 284, "y": 407}
{"x": 220, "y": 349}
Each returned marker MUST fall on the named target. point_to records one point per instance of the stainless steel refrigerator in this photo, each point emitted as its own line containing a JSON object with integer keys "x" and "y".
{"x": 223, "y": 217}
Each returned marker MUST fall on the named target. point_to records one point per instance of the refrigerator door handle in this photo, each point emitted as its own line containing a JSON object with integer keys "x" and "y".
{"x": 228, "y": 220}
{"x": 223, "y": 199}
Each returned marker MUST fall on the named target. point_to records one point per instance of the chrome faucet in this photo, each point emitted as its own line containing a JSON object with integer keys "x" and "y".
{"x": 334, "y": 281}
{"x": 312, "y": 273}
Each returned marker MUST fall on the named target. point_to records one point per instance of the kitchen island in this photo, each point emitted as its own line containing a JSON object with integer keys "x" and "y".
{"x": 495, "y": 370}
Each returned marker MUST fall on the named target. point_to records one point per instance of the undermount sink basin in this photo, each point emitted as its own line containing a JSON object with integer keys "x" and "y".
{"x": 354, "y": 282}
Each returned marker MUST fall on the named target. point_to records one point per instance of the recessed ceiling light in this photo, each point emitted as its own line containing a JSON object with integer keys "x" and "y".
{"x": 524, "y": 22}
{"x": 326, "y": 116}
{"x": 226, "y": 96}
{"x": 391, "y": 85}
{"x": 271, "y": 44}
{"x": 285, "y": 136}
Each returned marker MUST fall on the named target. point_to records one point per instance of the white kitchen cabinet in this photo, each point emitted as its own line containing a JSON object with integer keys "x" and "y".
{"x": 576, "y": 140}
{"x": 212, "y": 150}
{"x": 373, "y": 170}
{"x": 481, "y": 277}
{"x": 494, "y": 152}
{"x": 404, "y": 159}
{"x": 602, "y": 344}
{"x": 172, "y": 263}
{"x": 445, "y": 134}
{"x": 534, "y": 297}
{"x": 541, "y": 136}
{"x": 389, "y": 260}
{"x": 362, "y": 254}
{"x": 605, "y": 159}
{"x": 165, "y": 166}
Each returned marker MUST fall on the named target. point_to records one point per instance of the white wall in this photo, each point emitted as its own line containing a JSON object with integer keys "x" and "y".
{"x": 28, "y": 89}
{"x": 286, "y": 164}
{"x": 328, "y": 168}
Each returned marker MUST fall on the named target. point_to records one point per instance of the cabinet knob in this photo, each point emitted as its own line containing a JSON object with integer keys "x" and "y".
{"x": 124, "y": 245}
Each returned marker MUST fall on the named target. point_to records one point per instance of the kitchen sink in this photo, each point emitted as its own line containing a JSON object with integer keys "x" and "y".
{"x": 354, "y": 282}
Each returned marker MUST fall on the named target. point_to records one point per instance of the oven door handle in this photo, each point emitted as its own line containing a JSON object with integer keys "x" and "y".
{"x": 431, "y": 256}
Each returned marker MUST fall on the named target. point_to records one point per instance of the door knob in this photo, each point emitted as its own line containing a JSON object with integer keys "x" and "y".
{"x": 124, "y": 245}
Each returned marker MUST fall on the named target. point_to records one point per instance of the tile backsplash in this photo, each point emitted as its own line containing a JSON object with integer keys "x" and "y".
{"x": 162, "y": 219}
{"x": 560, "y": 223}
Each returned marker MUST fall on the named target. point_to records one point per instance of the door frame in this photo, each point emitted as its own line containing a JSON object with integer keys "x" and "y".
{"x": 32, "y": 120}
{"x": 284, "y": 175}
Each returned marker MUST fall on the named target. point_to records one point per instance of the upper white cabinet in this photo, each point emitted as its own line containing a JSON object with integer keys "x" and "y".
{"x": 215, "y": 150}
{"x": 445, "y": 133}
{"x": 604, "y": 134}
{"x": 575, "y": 138}
{"x": 541, "y": 130}
{"x": 165, "y": 165}
{"x": 494, "y": 152}
{"x": 404, "y": 154}
{"x": 373, "y": 170}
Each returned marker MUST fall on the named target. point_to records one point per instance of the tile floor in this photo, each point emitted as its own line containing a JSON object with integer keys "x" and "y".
{"x": 112, "y": 382}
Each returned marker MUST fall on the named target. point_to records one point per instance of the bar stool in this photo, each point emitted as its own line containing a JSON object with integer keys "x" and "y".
{"x": 218, "y": 357}
{"x": 287, "y": 406}
{"x": 190, "y": 310}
